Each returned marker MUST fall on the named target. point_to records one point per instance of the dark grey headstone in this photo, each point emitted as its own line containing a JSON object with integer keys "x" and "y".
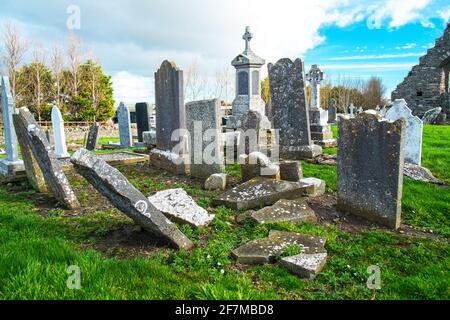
{"x": 370, "y": 167}
{"x": 243, "y": 83}
{"x": 123, "y": 195}
{"x": 332, "y": 111}
{"x": 92, "y": 137}
{"x": 170, "y": 113}
{"x": 126, "y": 136}
{"x": 142, "y": 119}
{"x": 52, "y": 171}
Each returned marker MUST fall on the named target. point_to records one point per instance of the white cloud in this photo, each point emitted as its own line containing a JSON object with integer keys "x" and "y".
{"x": 407, "y": 46}
{"x": 130, "y": 88}
{"x": 445, "y": 14}
{"x": 369, "y": 66}
{"x": 375, "y": 57}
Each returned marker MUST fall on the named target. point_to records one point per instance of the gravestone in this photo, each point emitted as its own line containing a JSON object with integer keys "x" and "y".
{"x": 289, "y": 112}
{"x": 92, "y": 137}
{"x": 142, "y": 119}
{"x": 126, "y": 136}
{"x": 10, "y": 166}
{"x": 125, "y": 197}
{"x": 431, "y": 115}
{"x": 203, "y": 121}
{"x": 320, "y": 129}
{"x": 370, "y": 167}
{"x": 414, "y": 130}
{"x": 253, "y": 133}
{"x": 58, "y": 134}
{"x": 34, "y": 174}
{"x": 50, "y": 166}
{"x": 290, "y": 211}
{"x": 351, "y": 110}
{"x": 332, "y": 111}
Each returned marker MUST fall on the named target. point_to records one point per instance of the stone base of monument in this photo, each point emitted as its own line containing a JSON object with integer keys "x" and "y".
{"x": 323, "y": 136}
{"x": 11, "y": 171}
{"x": 300, "y": 153}
{"x": 332, "y": 143}
{"x": 169, "y": 161}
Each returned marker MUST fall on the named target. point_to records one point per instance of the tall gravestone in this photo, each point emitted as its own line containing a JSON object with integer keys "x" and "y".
{"x": 332, "y": 111}
{"x": 289, "y": 112}
{"x": 414, "y": 130}
{"x": 320, "y": 129}
{"x": 92, "y": 137}
{"x": 203, "y": 121}
{"x": 351, "y": 110}
{"x": 58, "y": 134}
{"x": 126, "y": 136}
{"x": 370, "y": 167}
{"x": 10, "y": 166}
{"x": 142, "y": 119}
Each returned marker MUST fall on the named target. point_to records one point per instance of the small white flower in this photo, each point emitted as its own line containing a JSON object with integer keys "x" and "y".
{"x": 222, "y": 271}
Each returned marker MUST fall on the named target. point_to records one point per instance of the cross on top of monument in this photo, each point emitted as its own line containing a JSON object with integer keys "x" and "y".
{"x": 248, "y": 36}
{"x": 315, "y": 74}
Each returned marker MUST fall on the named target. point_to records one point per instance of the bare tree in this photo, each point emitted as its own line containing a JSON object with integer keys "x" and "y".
{"x": 14, "y": 50}
{"x": 57, "y": 65}
{"x": 39, "y": 56}
{"x": 194, "y": 81}
{"x": 223, "y": 83}
{"x": 75, "y": 59}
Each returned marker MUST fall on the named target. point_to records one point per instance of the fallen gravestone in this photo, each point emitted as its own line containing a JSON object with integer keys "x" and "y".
{"x": 124, "y": 196}
{"x": 306, "y": 266}
{"x": 51, "y": 169}
{"x": 292, "y": 211}
{"x": 217, "y": 181}
{"x": 257, "y": 164}
{"x": 92, "y": 137}
{"x": 260, "y": 192}
{"x": 419, "y": 173}
{"x": 178, "y": 206}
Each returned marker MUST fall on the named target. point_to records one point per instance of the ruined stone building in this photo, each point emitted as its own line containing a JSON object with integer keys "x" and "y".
{"x": 427, "y": 85}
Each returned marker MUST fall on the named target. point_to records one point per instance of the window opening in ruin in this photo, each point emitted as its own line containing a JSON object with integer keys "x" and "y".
{"x": 419, "y": 93}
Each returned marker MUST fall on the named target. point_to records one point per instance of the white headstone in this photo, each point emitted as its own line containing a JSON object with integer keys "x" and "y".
{"x": 315, "y": 76}
{"x": 58, "y": 134}
{"x": 352, "y": 110}
{"x": 10, "y": 137}
{"x": 414, "y": 130}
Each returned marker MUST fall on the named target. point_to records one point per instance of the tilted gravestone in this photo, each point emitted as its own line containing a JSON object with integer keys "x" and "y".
{"x": 332, "y": 111}
{"x": 123, "y": 195}
{"x": 126, "y": 136}
{"x": 58, "y": 134}
{"x": 10, "y": 166}
{"x": 289, "y": 112}
{"x": 92, "y": 137}
{"x": 52, "y": 171}
{"x": 35, "y": 176}
{"x": 414, "y": 130}
{"x": 370, "y": 167}
{"x": 203, "y": 121}
{"x": 170, "y": 112}
{"x": 142, "y": 119}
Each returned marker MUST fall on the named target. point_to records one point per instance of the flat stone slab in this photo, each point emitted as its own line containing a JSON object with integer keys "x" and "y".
{"x": 260, "y": 192}
{"x": 306, "y": 266}
{"x": 293, "y": 211}
{"x": 116, "y": 158}
{"x": 419, "y": 173}
{"x": 265, "y": 250}
{"x": 168, "y": 161}
{"x": 178, "y": 206}
{"x": 124, "y": 196}
{"x": 317, "y": 187}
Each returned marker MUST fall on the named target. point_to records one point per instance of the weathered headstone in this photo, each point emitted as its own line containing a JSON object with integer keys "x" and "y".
{"x": 332, "y": 111}
{"x": 142, "y": 119}
{"x": 257, "y": 164}
{"x": 149, "y": 138}
{"x": 203, "y": 121}
{"x": 289, "y": 112}
{"x": 431, "y": 115}
{"x": 10, "y": 166}
{"x": 414, "y": 130}
{"x": 291, "y": 171}
{"x": 351, "y": 110}
{"x": 58, "y": 134}
{"x": 51, "y": 169}
{"x": 92, "y": 137}
{"x": 126, "y": 136}
{"x": 123, "y": 195}
{"x": 253, "y": 135}
{"x": 370, "y": 167}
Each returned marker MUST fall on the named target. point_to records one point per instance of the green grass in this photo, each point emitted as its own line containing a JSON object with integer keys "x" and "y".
{"x": 36, "y": 250}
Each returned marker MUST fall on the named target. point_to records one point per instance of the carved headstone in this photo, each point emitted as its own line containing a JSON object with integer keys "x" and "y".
{"x": 414, "y": 130}
{"x": 58, "y": 134}
{"x": 332, "y": 111}
{"x": 370, "y": 167}
{"x": 92, "y": 137}
{"x": 126, "y": 136}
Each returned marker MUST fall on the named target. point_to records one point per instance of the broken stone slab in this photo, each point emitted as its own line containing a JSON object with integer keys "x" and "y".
{"x": 266, "y": 250}
{"x": 52, "y": 171}
{"x": 291, "y": 171}
{"x": 431, "y": 115}
{"x": 419, "y": 173}
{"x": 178, "y": 206}
{"x": 316, "y": 187}
{"x": 306, "y": 266}
{"x": 301, "y": 153}
{"x": 149, "y": 138}
{"x": 260, "y": 192}
{"x": 292, "y": 211}
{"x": 169, "y": 161}
{"x": 111, "y": 183}
{"x": 257, "y": 164}
{"x": 217, "y": 181}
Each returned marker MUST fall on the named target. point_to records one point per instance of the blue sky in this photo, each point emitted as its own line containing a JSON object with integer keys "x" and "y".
{"x": 347, "y": 38}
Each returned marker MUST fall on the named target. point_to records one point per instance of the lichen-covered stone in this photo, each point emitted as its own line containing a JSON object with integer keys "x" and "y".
{"x": 291, "y": 171}
{"x": 316, "y": 187}
{"x": 260, "y": 192}
{"x": 306, "y": 266}
{"x": 92, "y": 137}
{"x": 292, "y": 211}
{"x": 125, "y": 197}
{"x": 370, "y": 167}
{"x": 178, "y": 206}
{"x": 431, "y": 115}
{"x": 266, "y": 250}
{"x": 168, "y": 161}
{"x": 217, "y": 181}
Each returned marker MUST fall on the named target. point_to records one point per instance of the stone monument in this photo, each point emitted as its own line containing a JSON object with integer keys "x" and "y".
{"x": 58, "y": 134}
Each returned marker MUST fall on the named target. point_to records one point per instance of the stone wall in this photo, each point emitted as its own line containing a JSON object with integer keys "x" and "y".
{"x": 427, "y": 84}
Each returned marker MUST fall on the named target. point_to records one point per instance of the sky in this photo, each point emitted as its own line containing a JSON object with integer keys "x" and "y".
{"x": 131, "y": 38}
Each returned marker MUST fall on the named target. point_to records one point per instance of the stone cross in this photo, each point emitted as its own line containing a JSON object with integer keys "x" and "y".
{"x": 352, "y": 110}
{"x": 248, "y": 36}
{"x": 315, "y": 76}
{"x": 10, "y": 137}
{"x": 58, "y": 134}
{"x": 126, "y": 137}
